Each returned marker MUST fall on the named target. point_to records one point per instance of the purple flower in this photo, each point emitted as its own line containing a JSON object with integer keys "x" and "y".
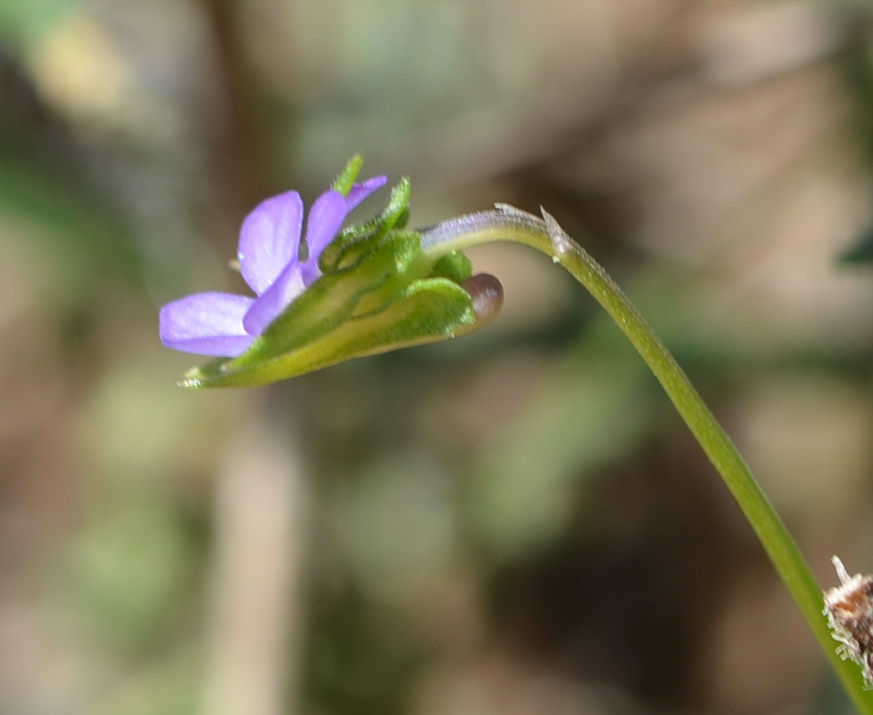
{"x": 224, "y": 324}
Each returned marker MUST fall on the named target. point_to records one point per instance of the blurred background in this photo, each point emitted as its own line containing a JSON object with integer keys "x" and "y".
{"x": 516, "y": 522}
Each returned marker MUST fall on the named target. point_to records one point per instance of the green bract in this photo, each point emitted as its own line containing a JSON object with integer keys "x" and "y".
{"x": 378, "y": 291}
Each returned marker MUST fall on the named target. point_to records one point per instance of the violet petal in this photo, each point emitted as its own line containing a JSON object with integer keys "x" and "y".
{"x": 325, "y": 220}
{"x": 207, "y": 324}
{"x": 265, "y": 309}
{"x": 361, "y": 191}
{"x": 269, "y": 239}
{"x": 324, "y": 224}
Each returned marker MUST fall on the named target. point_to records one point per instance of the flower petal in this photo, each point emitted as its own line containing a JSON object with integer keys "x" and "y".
{"x": 269, "y": 239}
{"x": 326, "y": 217}
{"x": 207, "y": 324}
{"x": 361, "y": 191}
{"x": 325, "y": 220}
{"x": 264, "y": 310}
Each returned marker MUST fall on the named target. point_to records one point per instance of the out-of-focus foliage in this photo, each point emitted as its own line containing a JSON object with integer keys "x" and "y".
{"x": 512, "y": 523}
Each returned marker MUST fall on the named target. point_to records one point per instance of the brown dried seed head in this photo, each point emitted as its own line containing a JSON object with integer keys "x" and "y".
{"x": 849, "y": 610}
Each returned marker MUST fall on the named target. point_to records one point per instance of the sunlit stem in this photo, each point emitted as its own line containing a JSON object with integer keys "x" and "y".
{"x": 546, "y": 236}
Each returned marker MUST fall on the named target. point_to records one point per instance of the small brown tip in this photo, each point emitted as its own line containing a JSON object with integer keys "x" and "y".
{"x": 487, "y": 294}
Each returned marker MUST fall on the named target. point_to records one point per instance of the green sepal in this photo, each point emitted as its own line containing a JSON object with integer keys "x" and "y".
{"x": 356, "y": 239}
{"x": 346, "y": 178}
{"x": 454, "y": 265}
{"x": 430, "y": 310}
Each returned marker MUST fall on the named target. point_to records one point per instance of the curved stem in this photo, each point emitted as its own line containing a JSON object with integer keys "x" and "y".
{"x": 510, "y": 224}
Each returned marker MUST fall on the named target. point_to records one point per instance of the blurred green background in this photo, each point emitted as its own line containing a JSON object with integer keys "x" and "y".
{"x": 513, "y": 523}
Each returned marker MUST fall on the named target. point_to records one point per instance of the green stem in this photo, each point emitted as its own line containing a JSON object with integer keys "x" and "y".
{"x": 509, "y": 224}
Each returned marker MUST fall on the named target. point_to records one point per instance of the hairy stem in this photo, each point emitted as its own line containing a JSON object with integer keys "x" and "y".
{"x": 546, "y": 236}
